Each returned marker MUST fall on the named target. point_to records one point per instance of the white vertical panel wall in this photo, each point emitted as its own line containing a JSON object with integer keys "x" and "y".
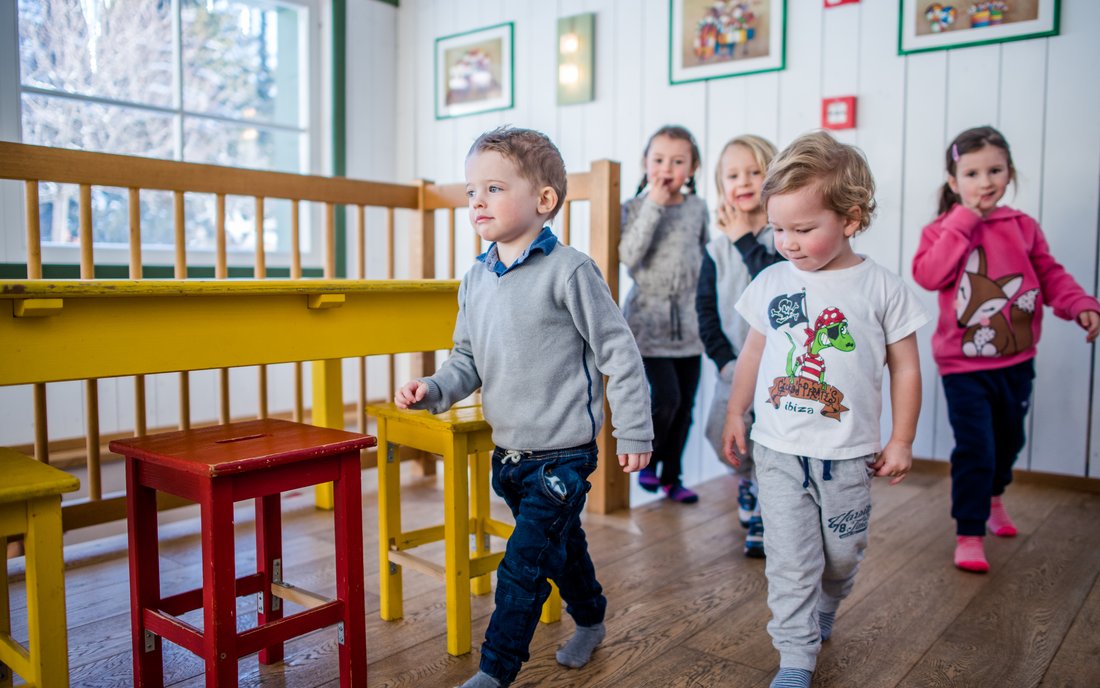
{"x": 909, "y": 108}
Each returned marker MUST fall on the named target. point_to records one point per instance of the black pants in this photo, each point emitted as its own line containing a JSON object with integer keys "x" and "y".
{"x": 987, "y": 410}
{"x": 672, "y": 385}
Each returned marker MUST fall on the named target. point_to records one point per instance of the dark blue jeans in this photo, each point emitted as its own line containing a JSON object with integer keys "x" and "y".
{"x": 546, "y": 492}
{"x": 987, "y": 410}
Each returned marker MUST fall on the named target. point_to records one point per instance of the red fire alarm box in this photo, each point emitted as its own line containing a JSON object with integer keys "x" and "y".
{"x": 838, "y": 3}
{"x": 838, "y": 113}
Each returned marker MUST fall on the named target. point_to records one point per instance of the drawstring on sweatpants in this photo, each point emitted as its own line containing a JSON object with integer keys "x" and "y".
{"x": 826, "y": 470}
{"x": 675, "y": 326}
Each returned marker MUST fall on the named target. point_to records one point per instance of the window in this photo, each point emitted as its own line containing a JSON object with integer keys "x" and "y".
{"x": 225, "y": 82}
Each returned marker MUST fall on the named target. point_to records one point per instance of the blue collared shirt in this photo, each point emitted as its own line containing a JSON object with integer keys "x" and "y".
{"x": 545, "y": 242}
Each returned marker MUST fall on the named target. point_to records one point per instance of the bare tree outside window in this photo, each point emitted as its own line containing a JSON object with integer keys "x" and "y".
{"x": 223, "y": 83}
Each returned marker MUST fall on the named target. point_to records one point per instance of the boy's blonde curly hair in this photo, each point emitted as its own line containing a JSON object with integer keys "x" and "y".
{"x": 838, "y": 170}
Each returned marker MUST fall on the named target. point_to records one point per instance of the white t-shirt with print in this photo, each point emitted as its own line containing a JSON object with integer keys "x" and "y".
{"x": 819, "y": 387}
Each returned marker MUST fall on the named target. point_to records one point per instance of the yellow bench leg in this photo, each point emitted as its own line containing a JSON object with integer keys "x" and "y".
{"x": 456, "y": 538}
{"x": 5, "y": 611}
{"x": 389, "y": 525}
{"x": 479, "y": 515}
{"x": 551, "y": 608}
{"x": 48, "y": 638}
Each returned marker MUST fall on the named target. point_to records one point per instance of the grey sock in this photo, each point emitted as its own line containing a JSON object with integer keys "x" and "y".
{"x": 481, "y": 680}
{"x": 792, "y": 678}
{"x": 825, "y": 621}
{"x": 578, "y": 650}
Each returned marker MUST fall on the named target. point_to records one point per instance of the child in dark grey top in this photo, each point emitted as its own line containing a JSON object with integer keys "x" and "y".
{"x": 664, "y": 231}
{"x": 537, "y": 330}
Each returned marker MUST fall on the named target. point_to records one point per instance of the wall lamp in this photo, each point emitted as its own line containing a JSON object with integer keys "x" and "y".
{"x": 576, "y": 77}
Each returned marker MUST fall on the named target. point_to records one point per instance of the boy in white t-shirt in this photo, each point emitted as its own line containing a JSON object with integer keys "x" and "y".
{"x": 822, "y": 325}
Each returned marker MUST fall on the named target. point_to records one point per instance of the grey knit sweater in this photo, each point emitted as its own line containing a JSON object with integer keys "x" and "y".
{"x": 538, "y": 340}
{"x": 662, "y": 247}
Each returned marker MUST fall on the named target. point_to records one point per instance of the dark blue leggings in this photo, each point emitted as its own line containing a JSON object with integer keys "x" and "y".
{"x": 672, "y": 385}
{"x": 987, "y": 410}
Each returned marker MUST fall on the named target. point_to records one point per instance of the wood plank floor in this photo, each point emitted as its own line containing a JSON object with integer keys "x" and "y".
{"x": 685, "y": 607}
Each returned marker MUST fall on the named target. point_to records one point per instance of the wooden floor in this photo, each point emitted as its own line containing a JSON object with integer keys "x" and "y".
{"x": 685, "y": 607}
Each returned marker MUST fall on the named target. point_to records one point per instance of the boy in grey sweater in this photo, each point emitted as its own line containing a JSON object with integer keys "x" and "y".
{"x": 537, "y": 330}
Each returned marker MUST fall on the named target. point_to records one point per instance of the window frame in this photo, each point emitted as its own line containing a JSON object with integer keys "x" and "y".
{"x": 313, "y": 42}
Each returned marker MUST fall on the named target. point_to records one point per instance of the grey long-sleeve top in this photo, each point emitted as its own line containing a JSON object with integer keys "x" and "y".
{"x": 662, "y": 248}
{"x": 538, "y": 338}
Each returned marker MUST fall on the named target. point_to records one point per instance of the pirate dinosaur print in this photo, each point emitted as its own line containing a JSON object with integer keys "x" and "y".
{"x": 980, "y": 303}
{"x": 806, "y": 375}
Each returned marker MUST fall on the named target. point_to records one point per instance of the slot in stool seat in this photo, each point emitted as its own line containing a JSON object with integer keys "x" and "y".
{"x": 457, "y": 435}
{"x": 217, "y": 466}
{"x": 30, "y": 505}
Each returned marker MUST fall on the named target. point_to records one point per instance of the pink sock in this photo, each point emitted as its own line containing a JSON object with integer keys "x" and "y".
{"x": 999, "y": 522}
{"x": 970, "y": 554}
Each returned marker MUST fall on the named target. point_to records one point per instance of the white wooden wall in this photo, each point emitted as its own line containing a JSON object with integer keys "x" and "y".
{"x": 910, "y": 107}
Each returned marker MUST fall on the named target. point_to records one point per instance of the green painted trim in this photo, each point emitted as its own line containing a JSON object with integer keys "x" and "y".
{"x": 778, "y": 68}
{"x": 1054, "y": 31}
{"x": 511, "y": 70}
{"x": 388, "y": 2}
{"x": 64, "y": 271}
{"x": 339, "y": 123}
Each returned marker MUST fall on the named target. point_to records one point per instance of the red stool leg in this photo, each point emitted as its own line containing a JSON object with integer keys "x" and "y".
{"x": 141, "y": 520}
{"x": 269, "y": 554}
{"x": 219, "y": 585}
{"x": 348, "y": 523}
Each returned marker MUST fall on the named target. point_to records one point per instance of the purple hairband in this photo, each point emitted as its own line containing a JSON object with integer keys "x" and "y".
{"x": 955, "y": 152}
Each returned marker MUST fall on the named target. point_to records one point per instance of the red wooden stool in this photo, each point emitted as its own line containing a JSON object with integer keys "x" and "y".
{"x": 217, "y": 466}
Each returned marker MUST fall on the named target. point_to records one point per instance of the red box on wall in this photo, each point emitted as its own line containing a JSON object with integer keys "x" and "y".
{"x": 838, "y": 113}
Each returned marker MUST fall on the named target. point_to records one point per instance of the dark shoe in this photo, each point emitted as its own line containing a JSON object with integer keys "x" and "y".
{"x": 679, "y": 493}
{"x": 648, "y": 480}
{"x": 746, "y": 503}
{"x": 754, "y": 540}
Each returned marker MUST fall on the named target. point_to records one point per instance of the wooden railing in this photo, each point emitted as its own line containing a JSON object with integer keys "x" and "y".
{"x": 35, "y": 316}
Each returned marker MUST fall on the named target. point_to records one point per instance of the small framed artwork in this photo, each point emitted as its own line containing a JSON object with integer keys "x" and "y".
{"x": 473, "y": 72}
{"x": 713, "y": 39}
{"x": 931, "y": 25}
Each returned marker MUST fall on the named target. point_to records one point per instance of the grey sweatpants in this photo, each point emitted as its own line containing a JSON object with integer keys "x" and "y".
{"x": 815, "y": 532}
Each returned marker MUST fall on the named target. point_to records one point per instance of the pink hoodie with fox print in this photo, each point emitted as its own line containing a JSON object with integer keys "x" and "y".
{"x": 993, "y": 275}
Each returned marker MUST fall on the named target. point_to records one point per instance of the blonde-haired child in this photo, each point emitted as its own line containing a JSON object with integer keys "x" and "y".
{"x": 822, "y": 324}
{"x": 724, "y": 274}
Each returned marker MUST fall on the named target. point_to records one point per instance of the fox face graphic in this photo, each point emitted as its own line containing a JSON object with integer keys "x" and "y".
{"x": 980, "y": 303}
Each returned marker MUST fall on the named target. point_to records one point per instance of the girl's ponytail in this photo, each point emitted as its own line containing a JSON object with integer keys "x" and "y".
{"x": 948, "y": 199}
{"x": 691, "y": 185}
{"x": 641, "y": 185}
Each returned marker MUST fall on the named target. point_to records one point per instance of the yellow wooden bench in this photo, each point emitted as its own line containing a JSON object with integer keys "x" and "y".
{"x": 456, "y": 435}
{"x": 30, "y": 505}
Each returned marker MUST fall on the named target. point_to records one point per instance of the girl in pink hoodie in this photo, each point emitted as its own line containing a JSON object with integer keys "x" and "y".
{"x": 993, "y": 270}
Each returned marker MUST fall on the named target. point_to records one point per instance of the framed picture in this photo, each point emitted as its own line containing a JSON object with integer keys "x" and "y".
{"x": 931, "y": 25}
{"x": 712, "y": 39}
{"x": 473, "y": 72}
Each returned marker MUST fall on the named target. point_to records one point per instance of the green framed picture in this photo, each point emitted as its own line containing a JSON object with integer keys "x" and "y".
{"x": 714, "y": 39}
{"x": 474, "y": 72}
{"x": 940, "y": 25}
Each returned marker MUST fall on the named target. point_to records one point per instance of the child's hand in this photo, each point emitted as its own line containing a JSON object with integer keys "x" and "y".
{"x": 661, "y": 191}
{"x": 634, "y": 462}
{"x": 1090, "y": 320}
{"x": 725, "y": 220}
{"x": 894, "y": 461}
{"x": 733, "y": 440}
{"x": 410, "y": 393}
